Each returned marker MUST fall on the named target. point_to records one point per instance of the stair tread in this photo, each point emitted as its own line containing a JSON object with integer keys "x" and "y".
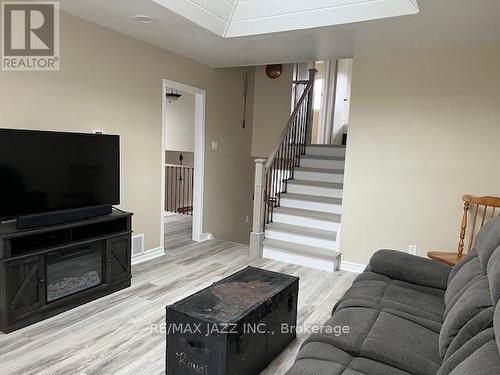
{"x": 305, "y": 231}
{"x": 320, "y": 170}
{"x": 321, "y": 157}
{"x": 314, "y": 251}
{"x": 326, "y": 146}
{"x": 331, "y": 185}
{"x": 311, "y": 198}
{"x": 335, "y": 218}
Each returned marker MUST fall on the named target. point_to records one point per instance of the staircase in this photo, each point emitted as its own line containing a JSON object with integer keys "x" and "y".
{"x": 305, "y": 227}
{"x": 298, "y": 195}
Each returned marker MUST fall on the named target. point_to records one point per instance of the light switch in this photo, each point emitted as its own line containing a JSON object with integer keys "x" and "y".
{"x": 215, "y": 145}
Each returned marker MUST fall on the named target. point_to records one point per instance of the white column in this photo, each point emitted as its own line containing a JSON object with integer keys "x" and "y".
{"x": 257, "y": 235}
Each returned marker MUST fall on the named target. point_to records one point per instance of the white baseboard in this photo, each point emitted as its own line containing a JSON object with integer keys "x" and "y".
{"x": 352, "y": 267}
{"x": 148, "y": 255}
{"x": 205, "y": 237}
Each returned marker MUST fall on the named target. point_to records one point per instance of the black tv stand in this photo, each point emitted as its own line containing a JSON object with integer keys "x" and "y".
{"x": 50, "y": 269}
{"x": 60, "y": 217}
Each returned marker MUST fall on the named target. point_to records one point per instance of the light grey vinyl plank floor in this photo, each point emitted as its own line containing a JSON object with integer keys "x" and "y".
{"x": 122, "y": 333}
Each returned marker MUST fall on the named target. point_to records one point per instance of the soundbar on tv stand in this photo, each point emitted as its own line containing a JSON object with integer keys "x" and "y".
{"x": 61, "y": 217}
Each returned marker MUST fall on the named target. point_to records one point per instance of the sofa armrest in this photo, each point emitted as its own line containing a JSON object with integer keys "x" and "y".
{"x": 410, "y": 268}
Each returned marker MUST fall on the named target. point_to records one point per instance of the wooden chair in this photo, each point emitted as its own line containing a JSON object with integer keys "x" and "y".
{"x": 481, "y": 210}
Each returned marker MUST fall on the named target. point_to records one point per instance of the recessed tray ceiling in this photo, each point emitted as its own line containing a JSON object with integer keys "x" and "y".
{"x": 235, "y": 18}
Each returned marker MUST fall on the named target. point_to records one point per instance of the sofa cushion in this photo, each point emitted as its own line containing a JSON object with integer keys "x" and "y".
{"x": 462, "y": 309}
{"x": 466, "y": 350}
{"x": 424, "y": 305}
{"x": 484, "y": 361}
{"x": 493, "y": 272}
{"x": 323, "y": 359}
{"x": 462, "y": 275}
{"x": 496, "y": 326}
{"x": 487, "y": 240}
{"x": 383, "y": 337}
{"x": 476, "y": 325}
{"x": 416, "y": 270}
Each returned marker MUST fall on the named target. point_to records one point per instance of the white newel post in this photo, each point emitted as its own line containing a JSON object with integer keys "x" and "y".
{"x": 257, "y": 235}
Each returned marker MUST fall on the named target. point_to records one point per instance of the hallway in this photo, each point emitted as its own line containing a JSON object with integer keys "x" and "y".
{"x": 178, "y": 230}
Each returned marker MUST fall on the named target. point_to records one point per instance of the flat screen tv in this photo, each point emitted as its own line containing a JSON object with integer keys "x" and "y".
{"x": 42, "y": 171}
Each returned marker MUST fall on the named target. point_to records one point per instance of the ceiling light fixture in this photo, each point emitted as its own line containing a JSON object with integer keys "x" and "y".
{"x": 144, "y": 19}
{"x": 173, "y": 96}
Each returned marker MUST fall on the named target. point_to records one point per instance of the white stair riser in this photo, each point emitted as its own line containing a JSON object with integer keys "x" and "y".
{"x": 313, "y": 206}
{"x": 314, "y": 190}
{"x": 304, "y": 221}
{"x": 318, "y": 176}
{"x": 320, "y": 264}
{"x": 326, "y": 151}
{"x": 300, "y": 239}
{"x": 322, "y": 163}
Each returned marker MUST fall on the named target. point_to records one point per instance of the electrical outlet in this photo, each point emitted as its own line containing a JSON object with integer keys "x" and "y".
{"x": 412, "y": 249}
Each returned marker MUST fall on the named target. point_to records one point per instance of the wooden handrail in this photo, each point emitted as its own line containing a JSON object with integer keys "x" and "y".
{"x": 178, "y": 165}
{"x": 301, "y": 82}
{"x": 289, "y": 124}
{"x": 483, "y": 201}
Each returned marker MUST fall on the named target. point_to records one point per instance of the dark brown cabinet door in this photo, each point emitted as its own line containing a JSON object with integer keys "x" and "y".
{"x": 118, "y": 259}
{"x": 24, "y": 286}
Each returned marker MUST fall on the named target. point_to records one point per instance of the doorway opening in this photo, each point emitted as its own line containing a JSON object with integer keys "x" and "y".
{"x": 183, "y": 139}
{"x": 332, "y": 98}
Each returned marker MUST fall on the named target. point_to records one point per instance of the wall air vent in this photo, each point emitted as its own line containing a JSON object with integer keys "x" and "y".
{"x": 137, "y": 244}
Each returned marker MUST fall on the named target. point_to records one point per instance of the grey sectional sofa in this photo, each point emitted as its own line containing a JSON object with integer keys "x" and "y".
{"x": 410, "y": 315}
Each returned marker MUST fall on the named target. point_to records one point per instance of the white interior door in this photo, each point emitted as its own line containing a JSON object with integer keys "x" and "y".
{"x": 342, "y": 99}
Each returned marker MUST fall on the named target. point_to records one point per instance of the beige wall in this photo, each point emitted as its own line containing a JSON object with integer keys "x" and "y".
{"x": 424, "y": 130}
{"x": 179, "y": 123}
{"x": 272, "y": 109}
{"x": 113, "y": 82}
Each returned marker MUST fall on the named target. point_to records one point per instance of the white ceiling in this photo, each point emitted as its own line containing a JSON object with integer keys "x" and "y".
{"x": 439, "y": 23}
{"x": 233, "y": 18}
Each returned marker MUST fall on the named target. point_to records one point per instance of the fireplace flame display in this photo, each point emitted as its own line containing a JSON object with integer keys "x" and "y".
{"x": 71, "y": 285}
{"x": 73, "y": 272}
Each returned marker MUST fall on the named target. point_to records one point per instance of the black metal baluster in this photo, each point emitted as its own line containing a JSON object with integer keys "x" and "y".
{"x": 269, "y": 201}
{"x": 177, "y": 189}
{"x": 295, "y": 135}
{"x": 190, "y": 194}
{"x": 192, "y": 190}
{"x": 286, "y": 156}
{"x": 280, "y": 172}
{"x": 170, "y": 188}
{"x": 304, "y": 131}
{"x": 289, "y": 155}
{"x": 183, "y": 186}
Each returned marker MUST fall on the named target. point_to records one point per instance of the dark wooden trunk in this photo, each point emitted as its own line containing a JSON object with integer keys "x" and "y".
{"x": 236, "y": 326}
